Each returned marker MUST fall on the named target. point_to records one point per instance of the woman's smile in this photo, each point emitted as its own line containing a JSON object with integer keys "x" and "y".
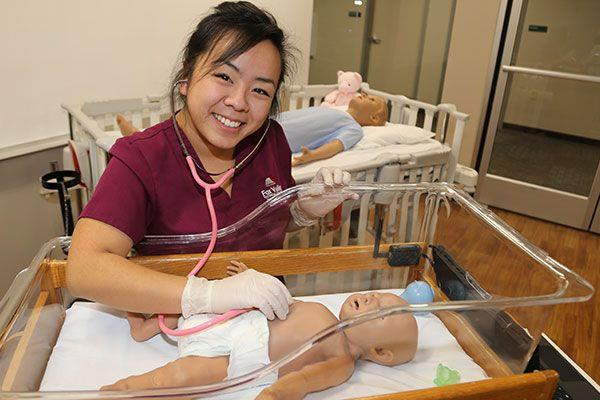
{"x": 229, "y": 123}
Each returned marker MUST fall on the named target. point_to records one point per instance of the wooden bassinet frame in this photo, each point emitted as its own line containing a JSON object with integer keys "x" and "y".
{"x": 502, "y": 385}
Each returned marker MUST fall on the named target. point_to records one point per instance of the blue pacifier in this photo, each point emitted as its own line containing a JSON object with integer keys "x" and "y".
{"x": 418, "y": 292}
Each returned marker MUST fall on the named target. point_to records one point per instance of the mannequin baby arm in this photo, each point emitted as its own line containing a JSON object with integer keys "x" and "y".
{"x": 143, "y": 328}
{"x": 312, "y": 378}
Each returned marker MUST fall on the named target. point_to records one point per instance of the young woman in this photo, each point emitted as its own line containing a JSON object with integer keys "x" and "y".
{"x": 231, "y": 72}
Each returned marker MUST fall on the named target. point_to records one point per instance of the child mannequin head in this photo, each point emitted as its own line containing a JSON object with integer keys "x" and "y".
{"x": 368, "y": 110}
{"x": 387, "y": 341}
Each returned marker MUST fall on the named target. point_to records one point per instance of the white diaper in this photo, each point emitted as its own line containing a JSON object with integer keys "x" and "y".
{"x": 245, "y": 339}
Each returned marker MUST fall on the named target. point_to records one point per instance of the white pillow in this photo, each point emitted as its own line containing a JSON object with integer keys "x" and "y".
{"x": 389, "y": 134}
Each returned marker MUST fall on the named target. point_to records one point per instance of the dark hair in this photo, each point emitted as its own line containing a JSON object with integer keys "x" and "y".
{"x": 245, "y": 25}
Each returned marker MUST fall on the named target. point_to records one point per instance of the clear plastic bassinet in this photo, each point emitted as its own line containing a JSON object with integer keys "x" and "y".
{"x": 493, "y": 293}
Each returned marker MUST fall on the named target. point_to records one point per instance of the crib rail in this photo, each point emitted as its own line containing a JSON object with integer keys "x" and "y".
{"x": 92, "y": 123}
{"x": 404, "y": 215}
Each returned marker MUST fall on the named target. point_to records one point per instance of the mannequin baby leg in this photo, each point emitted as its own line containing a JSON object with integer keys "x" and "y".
{"x": 186, "y": 371}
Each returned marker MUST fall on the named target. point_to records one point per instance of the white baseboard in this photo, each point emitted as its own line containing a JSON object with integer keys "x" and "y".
{"x": 33, "y": 146}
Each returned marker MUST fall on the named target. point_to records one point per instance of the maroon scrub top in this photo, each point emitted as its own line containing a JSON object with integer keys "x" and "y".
{"x": 147, "y": 189}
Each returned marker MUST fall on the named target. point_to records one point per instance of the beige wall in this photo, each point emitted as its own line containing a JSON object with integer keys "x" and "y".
{"x": 336, "y": 41}
{"x": 435, "y": 46}
{"x": 553, "y": 104}
{"x": 73, "y": 51}
{"x": 28, "y": 220}
{"x": 466, "y": 78}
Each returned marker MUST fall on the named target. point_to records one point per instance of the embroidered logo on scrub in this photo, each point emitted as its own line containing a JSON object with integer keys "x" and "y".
{"x": 272, "y": 188}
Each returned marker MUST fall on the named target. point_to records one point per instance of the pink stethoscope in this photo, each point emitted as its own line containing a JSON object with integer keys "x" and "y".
{"x": 213, "y": 219}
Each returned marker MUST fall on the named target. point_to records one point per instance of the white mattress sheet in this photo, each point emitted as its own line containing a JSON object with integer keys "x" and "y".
{"x": 94, "y": 348}
{"x": 354, "y": 160}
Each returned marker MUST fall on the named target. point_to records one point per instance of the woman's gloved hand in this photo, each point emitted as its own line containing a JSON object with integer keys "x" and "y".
{"x": 248, "y": 289}
{"x": 312, "y": 205}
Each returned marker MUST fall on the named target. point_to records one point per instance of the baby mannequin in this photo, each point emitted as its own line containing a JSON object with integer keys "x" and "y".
{"x": 388, "y": 341}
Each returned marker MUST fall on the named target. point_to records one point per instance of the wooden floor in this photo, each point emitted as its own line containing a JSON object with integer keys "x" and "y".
{"x": 574, "y": 327}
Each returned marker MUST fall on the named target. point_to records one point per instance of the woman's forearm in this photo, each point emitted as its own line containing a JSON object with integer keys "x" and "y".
{"x": 115, "y": 281}
{"x": 98, "y": 270}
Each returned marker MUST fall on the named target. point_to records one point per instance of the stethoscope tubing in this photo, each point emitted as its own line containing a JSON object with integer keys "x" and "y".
{"x": 213, "y": 219}
{"x": 213, "y": 240}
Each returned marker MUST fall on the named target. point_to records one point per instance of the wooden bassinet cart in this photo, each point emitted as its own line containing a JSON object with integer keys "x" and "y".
{"x": 503, "y": 385}
{"x": 495, "y": 307}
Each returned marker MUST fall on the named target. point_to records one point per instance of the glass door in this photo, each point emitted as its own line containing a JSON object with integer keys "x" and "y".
{"x": 542, "y": 148}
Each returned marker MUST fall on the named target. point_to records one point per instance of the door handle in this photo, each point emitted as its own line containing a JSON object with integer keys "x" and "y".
{"x": 374, "y": 39}
{"x": 554, "y": 74}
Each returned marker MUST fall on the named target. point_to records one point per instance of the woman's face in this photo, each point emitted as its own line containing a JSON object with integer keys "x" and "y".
{"x": 232, "y": 101}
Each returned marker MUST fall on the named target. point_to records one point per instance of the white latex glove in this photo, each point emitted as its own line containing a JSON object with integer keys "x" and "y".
{"x": 316, "y": 204}
{"x": 249, "y": 289}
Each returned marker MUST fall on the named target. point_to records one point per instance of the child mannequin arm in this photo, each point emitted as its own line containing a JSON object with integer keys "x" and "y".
{"x": 328, "y": 150}
{"x": 143, "y": 328}
{"x": 312, "y": 378}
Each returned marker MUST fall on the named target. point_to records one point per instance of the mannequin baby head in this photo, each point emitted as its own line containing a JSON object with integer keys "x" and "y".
{"x": 387, "y": 341}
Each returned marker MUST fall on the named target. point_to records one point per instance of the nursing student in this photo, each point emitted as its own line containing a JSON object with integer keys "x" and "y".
{"x": 232, "y": 68}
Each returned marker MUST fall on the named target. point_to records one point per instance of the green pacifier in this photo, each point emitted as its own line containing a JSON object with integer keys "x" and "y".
{"x": 446, "y": 376}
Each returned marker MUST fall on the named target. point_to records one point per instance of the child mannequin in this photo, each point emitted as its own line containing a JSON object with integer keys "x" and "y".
{"x": 387, "y": 341}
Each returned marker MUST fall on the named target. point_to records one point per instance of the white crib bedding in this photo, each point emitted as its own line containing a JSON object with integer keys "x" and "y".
{"x": 356, "y": 160}
{"x": 94, "y": 349}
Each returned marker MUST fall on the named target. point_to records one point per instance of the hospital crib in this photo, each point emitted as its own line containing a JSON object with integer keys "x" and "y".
{"x": 438, "y": 119}
{"x": 93, "y": 127}
{"x": 425, "y": 166}
{"x": 493, "y": 294}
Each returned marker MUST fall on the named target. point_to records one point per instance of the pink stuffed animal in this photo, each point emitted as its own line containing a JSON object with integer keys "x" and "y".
{"x": 348, "y": 86}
